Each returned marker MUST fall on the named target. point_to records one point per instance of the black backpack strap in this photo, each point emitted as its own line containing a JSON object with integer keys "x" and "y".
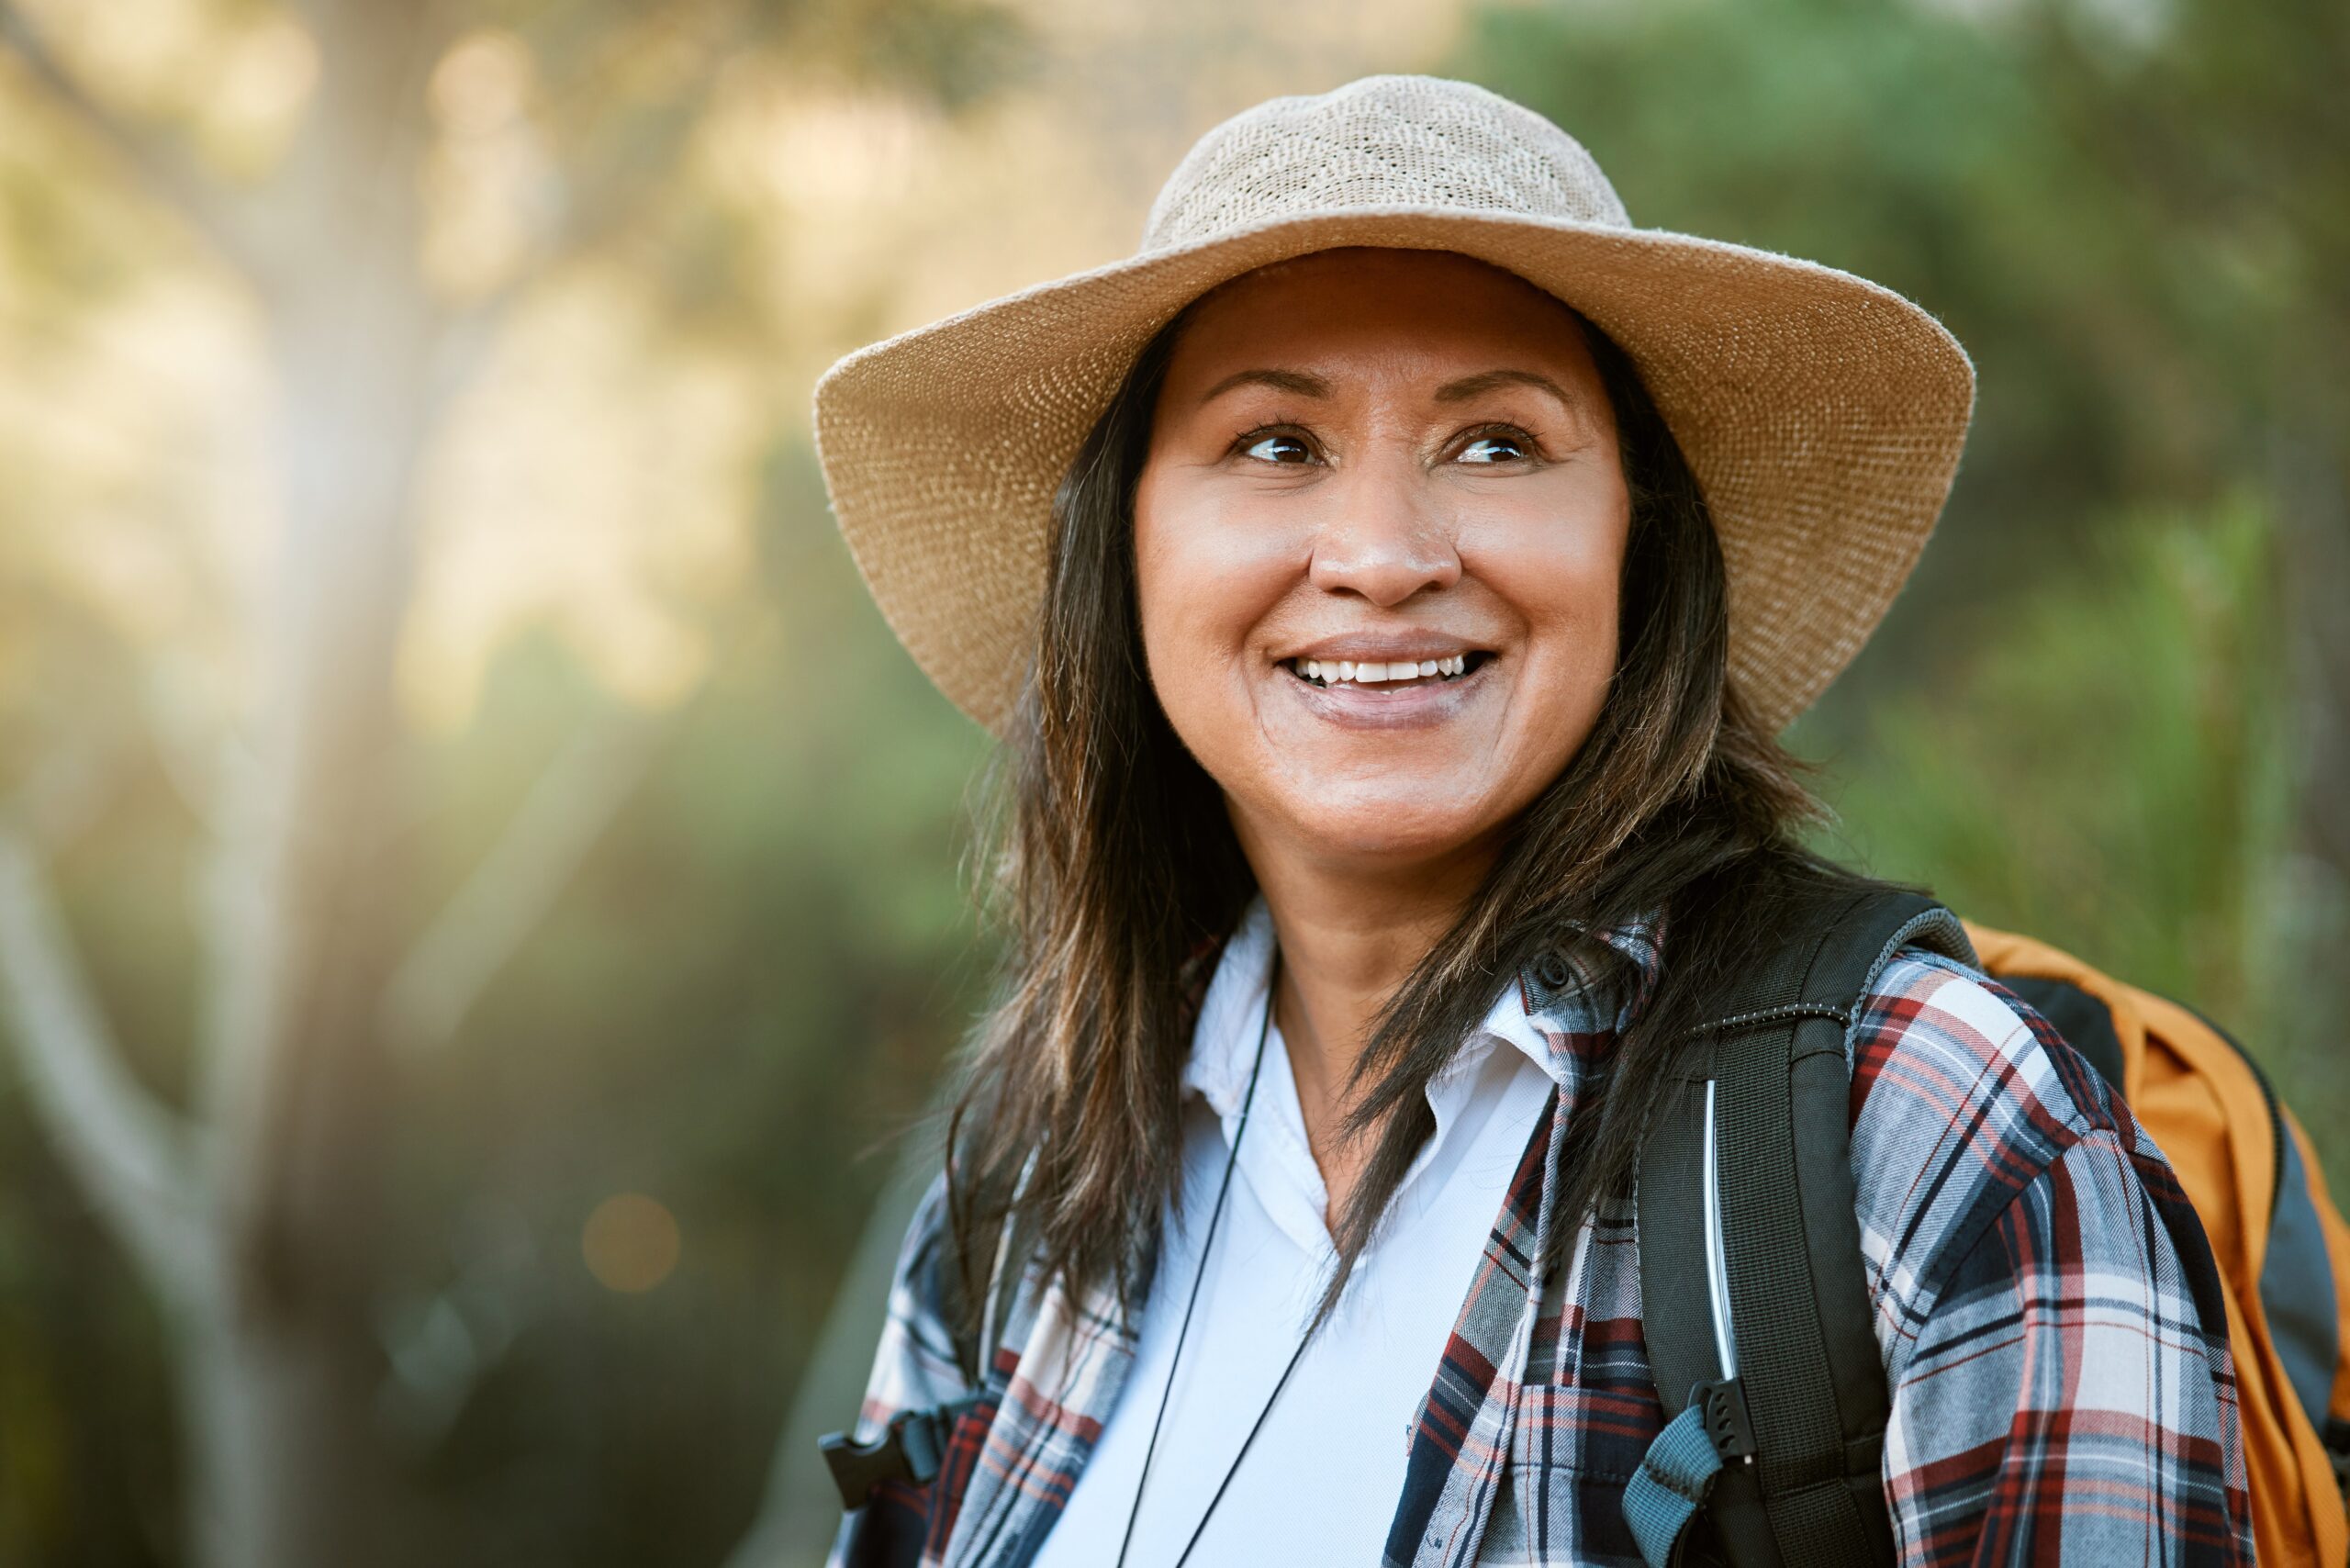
{"x": 1797, "y": 1425}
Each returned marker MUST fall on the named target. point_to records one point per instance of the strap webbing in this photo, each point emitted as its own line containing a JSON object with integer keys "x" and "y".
{"x": 1674, "y": 1479}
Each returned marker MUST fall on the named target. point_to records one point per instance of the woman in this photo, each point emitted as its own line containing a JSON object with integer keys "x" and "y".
{"x": 1389, "y": 584}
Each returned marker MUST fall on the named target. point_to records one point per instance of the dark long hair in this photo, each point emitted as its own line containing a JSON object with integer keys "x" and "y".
{"x": 1117, "y": 875}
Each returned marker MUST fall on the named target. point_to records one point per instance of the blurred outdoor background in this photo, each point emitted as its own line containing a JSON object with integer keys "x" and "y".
{"x": 479, "y": 885}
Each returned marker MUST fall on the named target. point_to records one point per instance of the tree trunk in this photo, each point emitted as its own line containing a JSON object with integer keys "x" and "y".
{"x": 283, "y": 1373}
{"x": 280, "y": 1468}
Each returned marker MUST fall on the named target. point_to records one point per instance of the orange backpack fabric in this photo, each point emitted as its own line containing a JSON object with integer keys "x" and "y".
{"x": 2213, "y": 1115}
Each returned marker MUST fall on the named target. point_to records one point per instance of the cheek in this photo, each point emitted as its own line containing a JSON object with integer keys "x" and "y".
{"x": 1205, "y": 578}
{"x": 1573, "y": 615}
{"x": 1564, "y": 583}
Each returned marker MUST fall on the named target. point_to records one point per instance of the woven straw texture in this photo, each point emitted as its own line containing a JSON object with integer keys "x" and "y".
{"x": 1822, "y": 414}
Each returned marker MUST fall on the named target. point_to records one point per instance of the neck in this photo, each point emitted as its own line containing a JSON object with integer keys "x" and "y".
{"x": 1349, "y": 934}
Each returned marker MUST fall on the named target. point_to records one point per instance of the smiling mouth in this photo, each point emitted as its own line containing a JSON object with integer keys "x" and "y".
{"x": 1392, "y": 675}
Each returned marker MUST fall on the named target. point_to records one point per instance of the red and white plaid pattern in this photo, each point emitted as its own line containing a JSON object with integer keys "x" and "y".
{"x": 2062, "y": 1387}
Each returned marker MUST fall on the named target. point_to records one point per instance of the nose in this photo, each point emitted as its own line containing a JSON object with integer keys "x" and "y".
{"x": 1384, "y": 540}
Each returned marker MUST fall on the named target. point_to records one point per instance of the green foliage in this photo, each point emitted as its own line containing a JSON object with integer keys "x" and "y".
{"x": 2105, "y": 766}
{"x": 2110, "y": 766}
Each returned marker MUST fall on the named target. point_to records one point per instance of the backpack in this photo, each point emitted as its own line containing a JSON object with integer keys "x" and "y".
{"x": 1745, "y": 1183}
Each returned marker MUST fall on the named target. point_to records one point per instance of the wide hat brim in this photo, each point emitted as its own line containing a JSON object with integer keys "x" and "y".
{"x": 1822, "y": 414}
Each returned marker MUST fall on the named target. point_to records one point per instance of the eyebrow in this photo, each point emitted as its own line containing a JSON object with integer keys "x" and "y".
{"x": 1484, "y": 381}
{"x": 1306, "y": 385}
{"x": 1297, "y": 381}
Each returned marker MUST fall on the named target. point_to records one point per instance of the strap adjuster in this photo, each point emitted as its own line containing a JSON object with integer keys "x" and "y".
{"x": 1727, "y": 1421}
{"x": 911, "y": 1448}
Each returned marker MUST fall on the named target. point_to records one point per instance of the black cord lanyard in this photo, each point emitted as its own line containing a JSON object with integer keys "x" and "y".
{"x": 1182, "y": 1333}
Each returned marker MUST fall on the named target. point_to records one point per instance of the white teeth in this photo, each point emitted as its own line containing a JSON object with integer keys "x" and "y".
{"x": 1372, "y": 673}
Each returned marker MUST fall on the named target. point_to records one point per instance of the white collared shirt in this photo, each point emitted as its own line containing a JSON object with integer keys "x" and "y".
{"x": 1319, "y": 1483}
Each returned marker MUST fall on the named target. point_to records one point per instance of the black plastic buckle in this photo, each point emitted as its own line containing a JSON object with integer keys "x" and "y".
{"x": 911, "y": 1448}
{"x": 1727, "y": 1422}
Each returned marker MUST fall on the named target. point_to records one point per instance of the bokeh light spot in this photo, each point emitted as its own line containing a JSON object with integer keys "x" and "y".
{"x": 631, "y": 1243}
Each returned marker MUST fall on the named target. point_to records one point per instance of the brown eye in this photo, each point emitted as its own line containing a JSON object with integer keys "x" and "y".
{"x": 1496, "y": 446}
{"x": 1278, "y": 447}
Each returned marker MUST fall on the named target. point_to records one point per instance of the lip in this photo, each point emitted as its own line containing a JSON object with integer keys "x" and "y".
{"x": 1412, "y": 707}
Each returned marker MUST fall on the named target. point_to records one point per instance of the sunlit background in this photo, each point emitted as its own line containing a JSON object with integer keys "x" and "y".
{"x": 479, "y": 886}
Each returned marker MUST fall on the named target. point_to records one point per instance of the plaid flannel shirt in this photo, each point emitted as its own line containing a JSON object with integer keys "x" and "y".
{"x": 2056, "y": 1395}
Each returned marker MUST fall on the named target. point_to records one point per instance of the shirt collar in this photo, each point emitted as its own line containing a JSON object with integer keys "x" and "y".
{"x": 1569, "y": 1006}
{"x": 1558, "y": 1013}
{"x": 1224, "y": 1037}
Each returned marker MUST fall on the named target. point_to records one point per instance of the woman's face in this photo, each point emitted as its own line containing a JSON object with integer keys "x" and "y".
{"x": 1378, "y": 537}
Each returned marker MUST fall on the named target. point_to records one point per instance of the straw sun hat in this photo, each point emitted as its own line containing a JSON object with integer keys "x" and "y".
{"x": 1821, "y": 414}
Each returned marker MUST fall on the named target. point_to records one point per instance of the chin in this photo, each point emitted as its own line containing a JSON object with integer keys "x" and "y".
{"x": 1397, "y": 830}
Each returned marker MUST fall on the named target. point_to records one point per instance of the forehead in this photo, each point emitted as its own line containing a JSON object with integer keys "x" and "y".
{"x": 1401, "y": 306}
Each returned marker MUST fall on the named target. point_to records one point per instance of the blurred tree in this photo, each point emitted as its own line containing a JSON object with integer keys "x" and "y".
{"x": 2234, "y": 133}
{"x": 384, "y": 254}
{"x": 2131, "y": 787}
